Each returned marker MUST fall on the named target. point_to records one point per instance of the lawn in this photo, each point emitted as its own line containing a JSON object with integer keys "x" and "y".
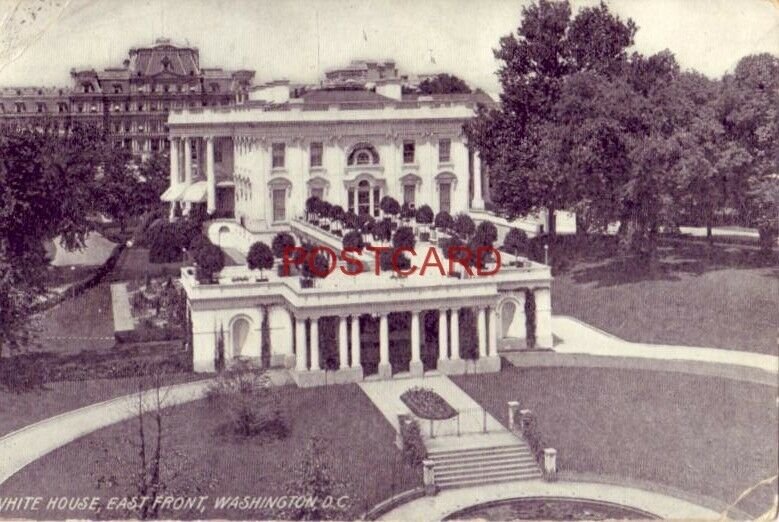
{"x": 134, "y": 264}
{"x": 360, "y": 442}
{"x": 18, "y": 410}
{"x": 726, "y": 302}
{"x": 703, "y": 435}
{"x": 82, "y": 323}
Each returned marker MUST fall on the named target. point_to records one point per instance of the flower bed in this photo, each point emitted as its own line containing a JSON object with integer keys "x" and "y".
{"x": 427, "y": 404}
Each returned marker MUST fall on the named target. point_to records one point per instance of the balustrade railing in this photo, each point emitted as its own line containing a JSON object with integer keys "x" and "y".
{"x": 467, "y": 421}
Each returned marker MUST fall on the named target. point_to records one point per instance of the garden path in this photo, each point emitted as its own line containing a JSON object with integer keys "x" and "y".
{"x": 120, "y": 307}
{"x": 386, "y": 396}
{"x": 579, "y": 337}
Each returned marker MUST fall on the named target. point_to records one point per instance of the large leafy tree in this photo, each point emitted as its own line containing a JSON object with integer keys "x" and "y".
{"x": 521, "y": 142}
{"x": 47, "y": 191}
{"x": 443, "y": 84}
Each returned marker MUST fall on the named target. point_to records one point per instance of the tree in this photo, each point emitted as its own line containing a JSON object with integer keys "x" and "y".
{"x": 464, "y": 225}
{"x": 443, "y": 221}
{"x": 312, "y": 207}
{"x": 520, "y": 140}
{"x": 382, "y": 230}
{"x": 118, "y": 187}
{"x": 403, "y": 238}
{"x": 313, "y": 477}
{"x": 764, "y": 197}
{"x": 47, "y": 191}
{"x": 486, "y": 234}
{"x": 282, "y": 242}
{"x": 424, "y": 215}
{"x": 260, "y": 257}
{"x": 210, "y": 261}
{"x": 515, "y": 242}
{"x": 443, "y": 84}
{"x": 153, "y": 176}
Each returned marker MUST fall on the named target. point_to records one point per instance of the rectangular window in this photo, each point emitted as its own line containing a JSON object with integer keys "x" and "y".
{"x": 315, "y": 154}
{"x": 445, "y": 197}
{"x": 350, "y": 199}
{"x": 444, "y": 151}
{"x": 318, "y": 192}
{"x": 41, "y": 107}
{"x": 278, "y": 151}
{"x": 217, "y": 152}
{"x": 279, "y": 200}
{"x": 376, "y": 200}
{"x": 408, "y": 152}
{"x": 409, "y": 191}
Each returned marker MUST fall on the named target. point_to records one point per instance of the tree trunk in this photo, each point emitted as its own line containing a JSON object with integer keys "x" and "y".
{"x": 551, "y": 221}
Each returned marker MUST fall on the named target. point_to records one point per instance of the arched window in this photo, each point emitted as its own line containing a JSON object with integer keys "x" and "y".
{"x": 363, "y": 154}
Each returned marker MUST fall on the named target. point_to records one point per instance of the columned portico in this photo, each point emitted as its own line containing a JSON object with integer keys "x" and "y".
{"x": 210, "y": 176}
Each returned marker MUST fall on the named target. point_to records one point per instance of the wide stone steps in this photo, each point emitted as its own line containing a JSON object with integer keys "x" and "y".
{"x": 475, "y": 466}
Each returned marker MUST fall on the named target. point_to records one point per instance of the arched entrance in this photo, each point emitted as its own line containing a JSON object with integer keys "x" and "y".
{"x": 240, "y": 336}
{"x": 222, "y": 235}
{"x": 512, "y": 320}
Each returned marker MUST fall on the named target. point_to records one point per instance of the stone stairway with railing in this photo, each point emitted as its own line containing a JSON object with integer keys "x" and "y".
{"x": 455, "y": 468}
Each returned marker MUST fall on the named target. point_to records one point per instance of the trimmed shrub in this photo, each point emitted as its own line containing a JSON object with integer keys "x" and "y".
{"x": 260, "y": 257}
{"x": 404, "y": 238}
{"x": 382, "y": 230}
{"x": 210, "y": 261}
{"x": 515, "y": 241}
{"x": 281, "y": 242}
{"x": 443, "y": 220}
{"x": 390, "y": 205}
{"x": 424, "y": 215}
{"x": 464, "y": 225}
{"x": 312, "y": 206}
{"x": 407, "y": 211}
{"x": 486, "y": 234}
{"x": 198, "y": 242}
{"x": 350, "y": 220}
{"x": 413, "y": 447}
{"x": 353, "y": 239}
{"x": 164, "y": 242}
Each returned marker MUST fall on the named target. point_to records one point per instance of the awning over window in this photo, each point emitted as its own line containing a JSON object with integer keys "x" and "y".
{"x": 196, "y": 192}
{"x": 173, "y": 193}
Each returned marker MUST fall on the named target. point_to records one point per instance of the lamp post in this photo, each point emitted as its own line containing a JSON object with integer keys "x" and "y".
{"x": 546, "y": 253}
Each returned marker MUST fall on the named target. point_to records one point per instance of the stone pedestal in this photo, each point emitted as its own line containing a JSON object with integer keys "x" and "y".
{"x": 346, "y": 375}
{"x": 310, "y": 378}
{"x": 428, "y": 477}
{"x": 513, "y": 415}
{"x": 417, "y": 369}
{"x": 385, "y": 371}
{"x": 488, "y": 364}
{"x": 550, "y": 464}
{"x": 451, "y": 366}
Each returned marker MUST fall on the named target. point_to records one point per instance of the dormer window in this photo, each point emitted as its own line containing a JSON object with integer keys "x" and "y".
{"x": 41, "y": 107}
{"x": 62, "y": 107}
{"x": 165, "y": 63}
{"x": 117, "y": 89}
{"x": 20, "y": 107}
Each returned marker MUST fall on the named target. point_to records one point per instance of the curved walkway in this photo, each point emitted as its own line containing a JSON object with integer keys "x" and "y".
{"x": 579, "y": 337}
{"x": 23, "y": 446}
{"x": 449, "y": 501}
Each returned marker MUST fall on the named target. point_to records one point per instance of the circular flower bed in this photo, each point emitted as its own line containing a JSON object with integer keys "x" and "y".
{"x": 427, "y": 404}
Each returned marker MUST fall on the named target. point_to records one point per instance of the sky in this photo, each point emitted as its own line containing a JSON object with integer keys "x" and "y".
{"x": 300, "y": 39}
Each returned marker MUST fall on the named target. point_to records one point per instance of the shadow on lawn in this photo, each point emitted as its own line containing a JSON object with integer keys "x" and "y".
{"x": 611, "y": 269}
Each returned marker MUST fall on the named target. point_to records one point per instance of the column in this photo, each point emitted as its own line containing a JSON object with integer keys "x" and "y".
{"x": 478, "y": 200}
{"x": 356, "y": 342}
{"x": 415, "y": 366}
{"x": 543, "y": 298}
{"x": 481, "y": 329}
{"x": 210, "y": 176}
{"x": 454, "y": 327}
{"x": 301, "y": 360}
{"x": 443, "y": 354}
{"x": 370, "y": 200}
{"x": 174, "y": 162}
{"x": 343, "y": 344}
{"x": 315, "y": 344}
{"x": 385, "y": 369}
{"x": 187, "y": 161}
{"x": 492, "y": 332}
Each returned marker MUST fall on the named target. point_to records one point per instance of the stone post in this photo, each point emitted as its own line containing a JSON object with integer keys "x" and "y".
{"x": 343, "y": 344}
{"x": 314, "y": 344}
{"x": 356, "y": 342}
{"x": 301, "y": 359}
{"x": 550, "y": 464}
{"x": 524, "y": 418}
{"x": 443, "y": 353}
{"x": 428, "y": 476}
{"x": 454, "y": 334}
{"x": 513, "y": 415}
{"x": 481, "y": 328}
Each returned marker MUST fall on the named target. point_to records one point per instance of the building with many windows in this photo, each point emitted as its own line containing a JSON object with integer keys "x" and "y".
{"x": 131, "y": 101}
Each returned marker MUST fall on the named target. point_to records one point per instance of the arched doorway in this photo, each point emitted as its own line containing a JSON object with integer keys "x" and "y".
{"x": 222, "y": 235}
{"x": 512, "y": 320}
{"x": 240, "y": 336}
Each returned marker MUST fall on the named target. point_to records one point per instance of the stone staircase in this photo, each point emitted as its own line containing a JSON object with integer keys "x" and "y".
{"x": 455, "y": 468}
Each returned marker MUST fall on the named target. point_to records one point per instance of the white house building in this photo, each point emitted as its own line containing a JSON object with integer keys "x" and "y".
{"x": 254, "y": 165}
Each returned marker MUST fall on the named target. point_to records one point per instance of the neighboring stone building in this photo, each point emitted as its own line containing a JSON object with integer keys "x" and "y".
{"x": 131, "y": 101}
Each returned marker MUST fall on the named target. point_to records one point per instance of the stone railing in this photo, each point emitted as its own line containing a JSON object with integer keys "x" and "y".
{"x": 522, "y": 423}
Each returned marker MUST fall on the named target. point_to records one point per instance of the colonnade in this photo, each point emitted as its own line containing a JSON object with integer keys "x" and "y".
{"x": 182, "y": 171}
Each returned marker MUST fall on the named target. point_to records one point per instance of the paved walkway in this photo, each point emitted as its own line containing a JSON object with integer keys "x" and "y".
{"x": 386, "y": 396}
{"x": 24, "y": 446}
{"x": 579, "y": 337}
{"x": 449, "y": 501}
{"x": 120, "y": 307}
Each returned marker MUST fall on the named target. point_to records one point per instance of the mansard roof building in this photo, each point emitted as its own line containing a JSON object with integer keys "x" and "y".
{"x": 131, "y": 101}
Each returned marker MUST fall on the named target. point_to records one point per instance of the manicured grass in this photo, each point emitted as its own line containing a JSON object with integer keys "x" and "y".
{"x": 82, "y": 323}
{"x": 18, "y": 410}
{"x": 134, "y": 264}
{"x": 703, "y": 435}
{"x": 360, "y": 440}
{"x": 722, "y": 300}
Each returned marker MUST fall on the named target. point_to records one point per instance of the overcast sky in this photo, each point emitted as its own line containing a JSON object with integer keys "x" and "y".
{"x": 298, "y": 39}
